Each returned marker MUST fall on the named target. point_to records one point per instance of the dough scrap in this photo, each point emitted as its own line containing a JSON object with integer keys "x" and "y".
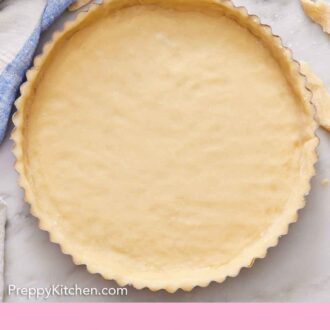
{"x": 321, "y": 97}
{"x": 78, "y": 4}
{"x": 319, "y": 12}
{"x": 325, "y": 182}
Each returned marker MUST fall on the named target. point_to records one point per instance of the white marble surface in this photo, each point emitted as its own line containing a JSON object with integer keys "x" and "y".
{"x": 298, "y": 269}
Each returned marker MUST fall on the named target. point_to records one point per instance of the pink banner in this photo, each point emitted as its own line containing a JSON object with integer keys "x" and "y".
{"x": 164, "y": 316}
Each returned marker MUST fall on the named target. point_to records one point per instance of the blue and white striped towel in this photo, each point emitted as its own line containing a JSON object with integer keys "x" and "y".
{"x": 21, "y": 23}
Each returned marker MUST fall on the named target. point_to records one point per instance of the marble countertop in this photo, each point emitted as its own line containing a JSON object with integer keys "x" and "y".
{"x": 298, "y": 269}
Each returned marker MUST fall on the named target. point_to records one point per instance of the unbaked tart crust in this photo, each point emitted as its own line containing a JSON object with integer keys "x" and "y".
{"x": 165, "y": 144}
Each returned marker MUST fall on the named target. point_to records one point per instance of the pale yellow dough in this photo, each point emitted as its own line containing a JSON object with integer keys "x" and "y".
{"x": 321, "y": 98}
{"x": 319, "y": 12}
{"x": 162, "y": 147}
{"x": 78, "y": 4}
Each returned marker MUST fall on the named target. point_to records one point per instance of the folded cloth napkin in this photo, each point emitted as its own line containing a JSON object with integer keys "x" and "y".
{"x": 2, "y": 243}
{"x": 21, "y": 23}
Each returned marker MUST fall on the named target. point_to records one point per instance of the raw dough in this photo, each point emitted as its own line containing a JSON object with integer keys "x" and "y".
{"x": 321, "y": 98}
{"x": 165, "y": 146}
{"x": 78, "y": 4}
{"x": 319, "y": 12}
